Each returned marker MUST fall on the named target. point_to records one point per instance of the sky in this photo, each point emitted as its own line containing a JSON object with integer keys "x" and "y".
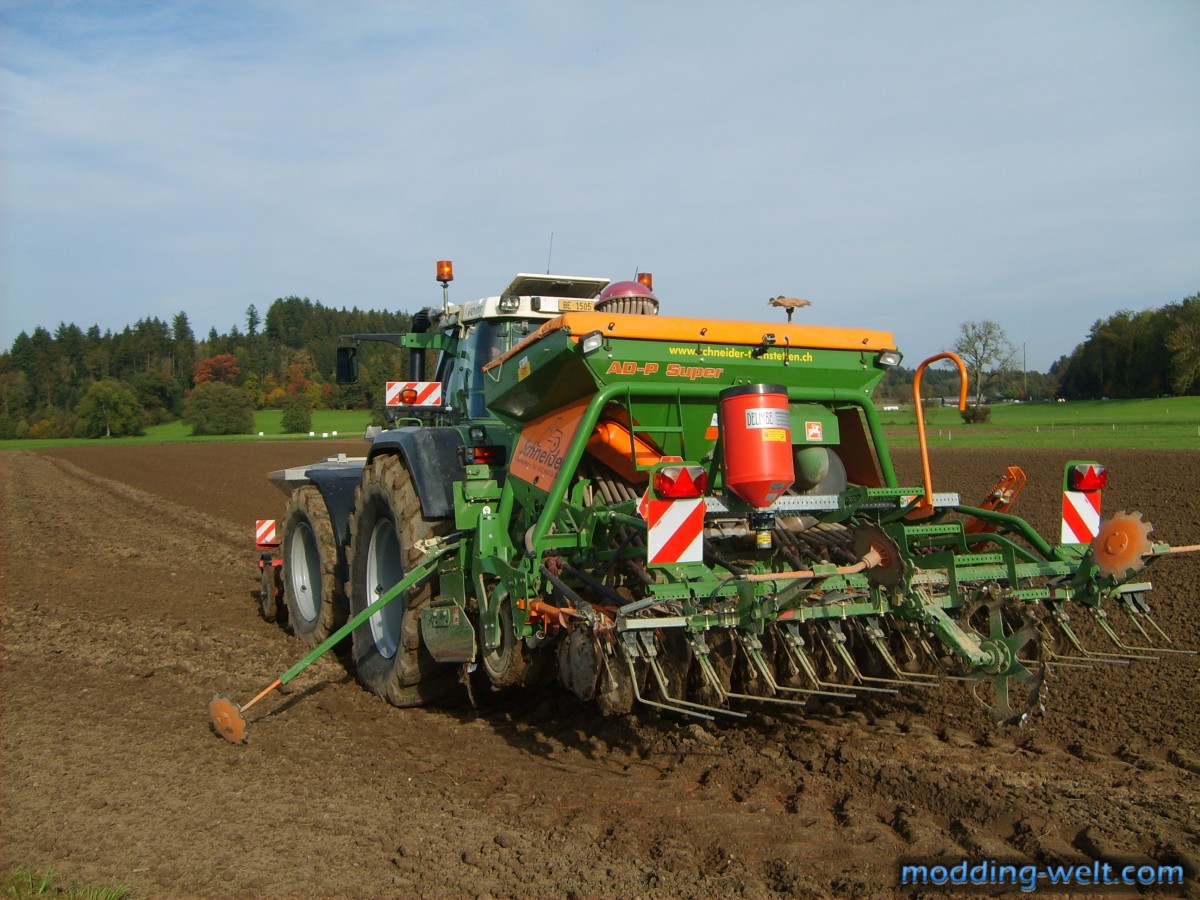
{"x": 906, "y": 166}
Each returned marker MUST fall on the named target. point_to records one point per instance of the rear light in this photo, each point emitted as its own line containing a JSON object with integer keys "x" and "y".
{"x": 408, "y": 397}
{"x": 680, "y": 482}
{"x": 489, "y": 455}
{"x": 1087, "y": 477}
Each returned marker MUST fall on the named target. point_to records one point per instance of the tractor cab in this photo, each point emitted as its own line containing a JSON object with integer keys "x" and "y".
{"x": 479, "y": 331}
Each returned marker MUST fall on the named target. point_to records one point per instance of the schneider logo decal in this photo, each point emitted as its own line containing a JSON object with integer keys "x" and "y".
{"x": 538, "y": 456}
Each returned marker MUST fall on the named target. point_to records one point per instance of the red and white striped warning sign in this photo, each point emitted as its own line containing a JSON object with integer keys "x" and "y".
{"x": 1080, "y": 516}
{"x": 424, "y": 393}
{"x": 264, "y": 533}
{"x": 675, "y": 530}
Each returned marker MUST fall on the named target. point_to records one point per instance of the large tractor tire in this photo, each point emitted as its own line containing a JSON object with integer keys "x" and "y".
{"x": 313, "y": 575}
{"x": 389, "y": 657}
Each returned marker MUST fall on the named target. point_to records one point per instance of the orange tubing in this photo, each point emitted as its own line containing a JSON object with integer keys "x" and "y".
{"x": 924, "y": 507}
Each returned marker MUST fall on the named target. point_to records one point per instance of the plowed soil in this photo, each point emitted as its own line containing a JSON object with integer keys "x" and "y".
{"x": 127, "y": 577}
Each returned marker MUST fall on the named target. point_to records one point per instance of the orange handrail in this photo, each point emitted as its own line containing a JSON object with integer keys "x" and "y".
{"x": 924, "y": 507}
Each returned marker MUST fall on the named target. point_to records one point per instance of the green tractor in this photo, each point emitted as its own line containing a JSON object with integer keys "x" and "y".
{"x": 700, "y": 516}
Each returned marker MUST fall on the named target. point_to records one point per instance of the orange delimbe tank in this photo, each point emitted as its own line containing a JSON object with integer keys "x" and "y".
{"x": 756, "y": 428}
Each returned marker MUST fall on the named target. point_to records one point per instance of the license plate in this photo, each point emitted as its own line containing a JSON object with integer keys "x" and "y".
{"x": 576, "y": 305}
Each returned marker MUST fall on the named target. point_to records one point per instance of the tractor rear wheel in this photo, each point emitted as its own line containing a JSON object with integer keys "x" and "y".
{"x": 385, "y": 530}
{"x": 312, "y": 570}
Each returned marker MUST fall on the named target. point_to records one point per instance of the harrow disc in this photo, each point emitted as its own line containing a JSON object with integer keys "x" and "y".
{"x": 1012, "y": 689}
{"x": 1122, "y": 544}
{"x": 227, "y": 719}
{"x": 268, "y": 606}
{"x": 615, "y": 691}
{"x": 580, "y": 659}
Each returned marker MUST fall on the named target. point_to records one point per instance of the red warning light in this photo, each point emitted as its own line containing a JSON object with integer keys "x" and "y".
{"x": 680, "y": 482}
{"x": 1088, "y": 477}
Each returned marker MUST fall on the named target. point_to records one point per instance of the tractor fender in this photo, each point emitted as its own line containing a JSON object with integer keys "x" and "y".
{"x": 337, "y": 484}
{"x": 430, "y": 453}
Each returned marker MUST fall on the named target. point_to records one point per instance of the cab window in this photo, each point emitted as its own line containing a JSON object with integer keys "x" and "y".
{"x": 484, "y": 341}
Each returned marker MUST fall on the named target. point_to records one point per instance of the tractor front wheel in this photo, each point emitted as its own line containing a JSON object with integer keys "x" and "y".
{"x": 386, "y": 529}
{"x": 312, "y": 571}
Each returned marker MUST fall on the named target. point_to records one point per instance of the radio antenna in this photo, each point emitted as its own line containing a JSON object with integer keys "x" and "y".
{"x": 550, "y": 254}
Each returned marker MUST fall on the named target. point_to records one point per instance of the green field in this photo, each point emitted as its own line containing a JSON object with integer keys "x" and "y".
{"x": 341, "y": 423}
{"x": 1166, "y": 423}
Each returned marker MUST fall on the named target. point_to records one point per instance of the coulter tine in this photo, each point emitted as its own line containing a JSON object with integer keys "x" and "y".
{"x": 1136, "y": 608}
{"x": 1058, "y": 614}
{"x": 706, "y": 667}
{"x": 1169, "y": 641}
{"x": 1162, "y": 633}
{"x": 837, "y": 639}
{"x": 675, "y": 704}
{"x": 923, "y": 643}
{"x": 871, "y": 631}
{"x": 793, "y": 645}
{"x": 781, "y": 701}
{"x": 1079, "y": 662}
{"x": 1128, "y": 652}
{"x": 753, "y": 648}
{"x": 637, "y": 693}
{"x": 1134, "y": 616}
{"x": 1091, "y": 658}
{"x": 1062, "y": 620}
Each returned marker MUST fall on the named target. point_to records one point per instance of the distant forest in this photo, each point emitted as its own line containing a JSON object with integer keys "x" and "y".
{"x": 51, "y": 382}
{"x": 1126, "y": 356}
{"x": 45, "y": 378}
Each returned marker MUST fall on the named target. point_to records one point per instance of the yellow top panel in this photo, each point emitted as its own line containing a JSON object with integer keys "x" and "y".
{"x": 706, "y": 331}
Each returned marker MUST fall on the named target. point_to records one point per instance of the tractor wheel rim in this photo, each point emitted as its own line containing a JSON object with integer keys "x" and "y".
{"x": 384, "y": 568}
{"x": 304, "y": 566}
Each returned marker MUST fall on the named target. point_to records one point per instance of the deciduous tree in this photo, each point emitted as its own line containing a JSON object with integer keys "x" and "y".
{"x": 223, "y": 368}
{"x": 297, "y": 414}
{"x": 987, "y": 353}
{"x": 1184, "y": 343}
{"x": 110, "y": 408}
{"x": 218, "y": 408}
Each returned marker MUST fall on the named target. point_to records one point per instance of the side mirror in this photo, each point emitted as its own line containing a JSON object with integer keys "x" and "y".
{"x": 347, "y": 365}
